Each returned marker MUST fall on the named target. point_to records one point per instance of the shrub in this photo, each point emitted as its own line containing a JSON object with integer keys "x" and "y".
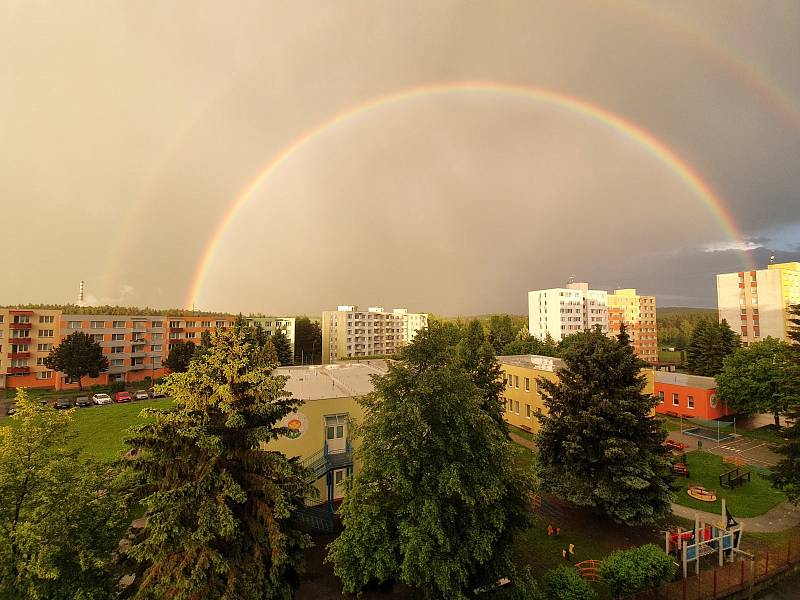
{"x": 565, "y": 583}
{"x": 523, "y": 586}
{"x": 637, "y": 569}
{"x": 117, "y": 386}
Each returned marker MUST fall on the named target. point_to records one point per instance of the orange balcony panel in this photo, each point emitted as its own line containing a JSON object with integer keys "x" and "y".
{"x": 20, "y": 312}
{"x": 19, "y": 355}
{"x": 175, "y": 329}
{"x": 18, "y": 370}
{"x": 20, "y": 325}
{"x": 20, "y": 340}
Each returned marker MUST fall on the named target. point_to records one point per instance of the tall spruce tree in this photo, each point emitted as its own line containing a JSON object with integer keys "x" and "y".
{"x": 283, "y": 347}
{"x": 219, "y": 504}
{"x": 599, "y": 445}
{"x": 476, "y": 355}
{"x": 709, "y": 344}
{"x": 439, "y": 498}
{"x": 786, "y": 475}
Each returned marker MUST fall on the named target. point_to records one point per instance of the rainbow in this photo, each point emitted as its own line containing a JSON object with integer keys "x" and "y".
{"x": 625, "y": 128}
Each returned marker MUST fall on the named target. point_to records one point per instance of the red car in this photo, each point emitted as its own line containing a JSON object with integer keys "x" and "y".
{"x": 121, "y": 397}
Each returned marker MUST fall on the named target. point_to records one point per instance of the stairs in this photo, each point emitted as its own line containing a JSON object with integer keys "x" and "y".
{"x": 322, "y": 463}
{"x": 316, "y": 518}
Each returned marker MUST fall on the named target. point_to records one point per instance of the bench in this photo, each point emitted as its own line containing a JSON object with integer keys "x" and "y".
{"x": 675, "y": 446}
{"x": 680, "y": 469}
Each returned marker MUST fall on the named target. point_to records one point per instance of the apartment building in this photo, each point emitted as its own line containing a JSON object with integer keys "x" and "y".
{"x": 272, "y": 325}
{"x": 755, "y": 303}
{"x": 522, "y": 396}
{"x": 26, "y": 338}
{"x": 191, "y": 328}
{"x": 638, "y": 313}
{"x": 559, "y": 312}
{"x": 350, "y": 333}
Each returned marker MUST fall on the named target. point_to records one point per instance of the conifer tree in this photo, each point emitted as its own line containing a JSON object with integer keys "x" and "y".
{"x": 786, "y": 475}
{"x": 476, "y": 355}
{"x": 219, "y": 504}
{"x": 709, "y": 344}
{"x": 599, "y": 445}
{"x": 439, "y": 498}
{"x": 283, "y": 347}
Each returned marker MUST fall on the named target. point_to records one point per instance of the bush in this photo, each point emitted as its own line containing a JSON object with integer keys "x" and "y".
{"x": 523, "y": 586}
{"x": 117, "y": 386}
{"x": 565, "y": 583}
{"x": 637, "y": 569}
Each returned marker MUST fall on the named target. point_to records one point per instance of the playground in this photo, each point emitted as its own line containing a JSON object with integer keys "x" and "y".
{"x": 748, "y": 493}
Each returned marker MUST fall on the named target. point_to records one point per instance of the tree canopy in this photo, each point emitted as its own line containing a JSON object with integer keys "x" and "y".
{"x": 786, "y": 475}
{"x": 180, "y": 356}
{"x": 307, "y": 341}
{"x": 283, "y": 348}
{"x": 599, "y": 445}
{"x": 60, "y": 516}
{"x": 754, "y": 379}
{"x": 709, "y": 344}
{"x": 439, "y": 497}
{"x": 77, "y": 356}
{"x": 219, "y": 504}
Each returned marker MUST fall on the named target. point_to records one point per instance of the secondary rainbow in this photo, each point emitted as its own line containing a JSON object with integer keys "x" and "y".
{"x": 625, "y": 128}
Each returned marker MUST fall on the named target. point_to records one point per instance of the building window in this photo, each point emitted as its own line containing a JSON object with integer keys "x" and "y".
{"x": 117, "y": 337}
{"x": 676, "y": 400}
{"x": 97, "y": 337}
{"x": 205, "y": 324}
{"x": 516, "y": 407}
{"x": 98, "y": 324}
{"x": 118, "y": 324}
{"x": 117, "y": 362}
{"x": 527, "y": 411}
{"x": 73, "y": 324}
{"x": 527, "y": 384}
{"x": 174, "y": 323}
{"x": 44, "y": 375}
{"x": 117, "y": 349}
{"x": 744, "y": 330}
{"x": 156, "y": 336}
{"x": 42, "y": 319}
{"x": 516, "y": 381}
{"x": 157, "y": 324}
{"x": 190, "y": 335}
{"x": 155, "y": 348}
{"x": 690, "y": 401}
{"x": 45, "y": 333}
{"x": 220, "y": 324}
{"x": 44, "y": 347}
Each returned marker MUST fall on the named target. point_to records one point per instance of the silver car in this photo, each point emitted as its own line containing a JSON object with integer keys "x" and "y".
{"x": 100, "y": 399}
{"x": 140, "y": 395}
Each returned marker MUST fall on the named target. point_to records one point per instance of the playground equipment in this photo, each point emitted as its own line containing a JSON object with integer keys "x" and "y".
{"x": 698, "y": 492}
{"x": 589, "y": 569}
{"x": 715, "y": 431}
{"x": 706, "y": 539}
{"x": 675, "y": 446}
{"x": 734, "y": 478}
{"x": 680, "y": 469}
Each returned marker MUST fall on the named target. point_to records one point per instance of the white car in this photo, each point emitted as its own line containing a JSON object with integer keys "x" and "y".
{"x": 140, "y": 395}
{"x": 100, "y": 399}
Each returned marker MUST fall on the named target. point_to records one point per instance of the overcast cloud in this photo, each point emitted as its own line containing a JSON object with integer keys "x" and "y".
{"x": 128, "y": 129}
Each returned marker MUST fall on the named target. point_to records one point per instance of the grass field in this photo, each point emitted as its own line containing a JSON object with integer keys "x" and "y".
{"x": 100, "y": 430}
{"x": 749, "y": 500}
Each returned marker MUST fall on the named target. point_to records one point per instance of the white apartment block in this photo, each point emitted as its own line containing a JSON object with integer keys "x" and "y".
{"x": 271, "y": 325}
{"x": 351, "y": 333}
{"x": 560, "y": 312}
{"x": 754, "y": 303}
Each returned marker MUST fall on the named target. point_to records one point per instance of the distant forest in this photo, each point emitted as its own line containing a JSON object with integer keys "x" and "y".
{"x": 675, "y": 324}
{"x": 74, "y": 309}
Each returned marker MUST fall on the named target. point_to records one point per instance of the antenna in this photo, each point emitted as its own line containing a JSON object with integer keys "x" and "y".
{"x": 772, "y": 259}
{"x": 571, "y": 278}
{"x": 80, "y": 293}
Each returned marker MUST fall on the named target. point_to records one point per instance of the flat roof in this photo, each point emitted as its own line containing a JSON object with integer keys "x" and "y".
{"x": 695, "y": 381}
{"x": 532, "y": 361}
{"x": 339, "y": 380}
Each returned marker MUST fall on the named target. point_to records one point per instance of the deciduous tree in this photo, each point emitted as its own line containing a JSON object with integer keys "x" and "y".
{"x": 753, "y": 379}
{"x": 439, "y": 498}
{"x": 599, "y": 444}
{"x": 219, "y": 504}
{"x": 60, "y": 517}
{"x": 77, "y": 356}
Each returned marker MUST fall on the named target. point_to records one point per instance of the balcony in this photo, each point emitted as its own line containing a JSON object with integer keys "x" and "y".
{"x": 176, "y": 329}
{"x": 20, "y": 326}
{"x": 21, "y": 312}
{"x": 139, "y": 367}
{"x": 18, "y": 370}
{"x": 20, "y": 340}
{"x": 139, "y": 327}
{"x": 13, "y": 355}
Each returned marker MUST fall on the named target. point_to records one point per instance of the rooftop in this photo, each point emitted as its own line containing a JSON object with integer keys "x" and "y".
{"x": 339, "y": 380}
{"x": 695, "y": 381}
{"x": 532, "y": 361}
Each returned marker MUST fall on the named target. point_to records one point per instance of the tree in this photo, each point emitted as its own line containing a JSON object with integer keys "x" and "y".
{"x": 307, "y": 342}
{"x": 502, "y": 331}
{"x": 60, "y": 517}
{"x": 440, "y": 497}
{"x": 709, "y": 344}
{"x": 180, "y": 356}
{"x": 476, "y": 356}
{"x": 599, "y": 444}
{"x": 753, "y": 379}
{"x": 219, "y": 503}
{"x": 77, "y": 356}
{"x": 627, "y": 572}
{"x": 786, "y": 476}
{"x": 530, "y": 345}
{"x": 565, "y": 583}
{"x": 283, "y": 347}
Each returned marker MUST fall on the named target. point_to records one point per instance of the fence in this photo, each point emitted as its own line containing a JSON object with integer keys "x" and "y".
{"x": 730, "y": 578}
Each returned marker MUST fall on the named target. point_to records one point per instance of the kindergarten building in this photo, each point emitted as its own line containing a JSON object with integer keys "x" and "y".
{"x": 689, "y": 396}
{"x": 321, "y": 429}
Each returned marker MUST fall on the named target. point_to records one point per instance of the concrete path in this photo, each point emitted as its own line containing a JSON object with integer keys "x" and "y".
{"x": 782, "y": 517}
{"x": 518, "y": 439}
{"x": 752, "y": 452}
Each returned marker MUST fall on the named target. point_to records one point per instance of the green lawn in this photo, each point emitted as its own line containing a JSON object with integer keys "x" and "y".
{"x": 100, "y": 430}
{"x": 520, "y": 432}
{"x": 676, "y": 356}
{"x": 749, "y": 500}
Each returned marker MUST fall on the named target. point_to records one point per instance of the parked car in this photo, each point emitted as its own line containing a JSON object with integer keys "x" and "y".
{"x": 100, "y": 399}
{"x": 62, "y": 403}
{"x": 11, "y": 409}
{"x": 140, "y": 395}
{"x": 154, "y": 394}
{"x": 121, "y": 397}
{"x": 82, "y": 401}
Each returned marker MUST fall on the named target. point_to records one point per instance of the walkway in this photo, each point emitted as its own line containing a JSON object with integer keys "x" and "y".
{"x": 753, "y": 452}
{"x": 518, "y": 439}
{"x": 782, "y": 517}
